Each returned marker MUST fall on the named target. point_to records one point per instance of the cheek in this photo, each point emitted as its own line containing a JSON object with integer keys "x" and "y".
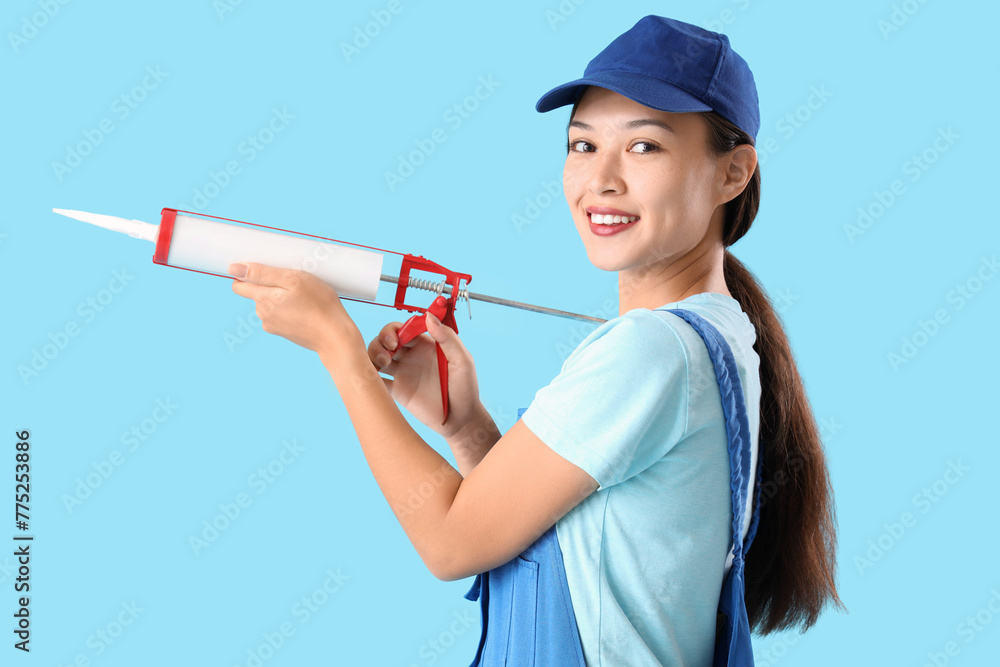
{"x": 571, "y": 181}
{"x": 695, "y": 189}
{"x": 661, "y": 189}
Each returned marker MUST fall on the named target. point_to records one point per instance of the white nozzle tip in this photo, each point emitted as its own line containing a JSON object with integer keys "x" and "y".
{"x": 70, "y": 213}
{"x": 134, "y": 228}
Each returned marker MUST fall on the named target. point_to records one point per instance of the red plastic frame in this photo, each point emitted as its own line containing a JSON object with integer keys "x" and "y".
{"x": 413, "y": 327}
{"x": 168, "y": 216}
{"x": 450, "y": 277}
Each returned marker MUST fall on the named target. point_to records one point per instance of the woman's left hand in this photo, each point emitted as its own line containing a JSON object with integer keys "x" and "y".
{"x": 300, "y": 307}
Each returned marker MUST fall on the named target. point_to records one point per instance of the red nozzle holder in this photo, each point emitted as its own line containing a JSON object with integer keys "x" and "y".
{"x": 442, "y": 308}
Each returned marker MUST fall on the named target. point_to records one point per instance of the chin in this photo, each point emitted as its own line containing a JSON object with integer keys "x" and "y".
{"x": 604, "y": 263}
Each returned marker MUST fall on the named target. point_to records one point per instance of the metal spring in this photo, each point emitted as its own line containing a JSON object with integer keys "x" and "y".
{"x": 430, "y": 286}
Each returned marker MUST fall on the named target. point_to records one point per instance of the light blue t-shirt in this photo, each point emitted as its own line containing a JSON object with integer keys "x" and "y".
{"x": 637, "y": 406}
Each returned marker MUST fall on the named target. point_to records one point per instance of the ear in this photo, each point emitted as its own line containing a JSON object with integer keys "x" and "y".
{"x": 737, "y": 167}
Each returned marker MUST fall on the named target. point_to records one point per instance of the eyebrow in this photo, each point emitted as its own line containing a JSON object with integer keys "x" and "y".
{"x": 630, "y": 125}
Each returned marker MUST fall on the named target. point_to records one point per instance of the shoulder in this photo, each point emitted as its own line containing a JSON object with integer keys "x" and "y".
{"x": 643, "y": 344}
{"x": 639, "y": 336}
{"x": 661, "y": 342}
{"x": 723, "y": 313}
{"x": 620, "y": 401}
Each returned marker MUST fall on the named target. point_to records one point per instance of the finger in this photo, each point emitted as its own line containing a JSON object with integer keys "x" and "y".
{"x": 382, "y": 361}
{"x": 387, "y": 368}
{"x": 388, "y": 336}
{"x": 392, "y": 336}
{"x": 388, "y": 341}
{"x": 262, "y": 274}
{"x": 445, "y": 336}
{"x": 382, "y": 348}
{"x": 257, "y": 292}
{"x": 241, "y": 288}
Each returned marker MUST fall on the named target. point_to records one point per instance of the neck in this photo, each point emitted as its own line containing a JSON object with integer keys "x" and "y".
{"x": 669, "y": 280}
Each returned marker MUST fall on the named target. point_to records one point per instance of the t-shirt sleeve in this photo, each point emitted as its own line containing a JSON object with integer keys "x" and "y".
{"x": 620, "y": 402}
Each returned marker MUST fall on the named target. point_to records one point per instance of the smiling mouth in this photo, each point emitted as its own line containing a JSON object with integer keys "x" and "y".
{"x": 598, "y": 219}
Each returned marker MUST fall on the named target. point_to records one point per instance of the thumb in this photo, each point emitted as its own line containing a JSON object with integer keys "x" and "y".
{"x": 445, "y": 337}
{"x": 262, "y": 274}
{"x": 251, "y": 272}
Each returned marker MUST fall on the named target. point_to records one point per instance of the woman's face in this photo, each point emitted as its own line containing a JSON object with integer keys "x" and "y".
{"x": 627, "y": 159}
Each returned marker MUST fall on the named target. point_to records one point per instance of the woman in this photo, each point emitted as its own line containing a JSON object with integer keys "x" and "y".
{"x": 611, "y": 495}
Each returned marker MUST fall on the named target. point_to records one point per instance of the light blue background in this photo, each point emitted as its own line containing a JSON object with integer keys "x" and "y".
{"x": 890, "y": 432}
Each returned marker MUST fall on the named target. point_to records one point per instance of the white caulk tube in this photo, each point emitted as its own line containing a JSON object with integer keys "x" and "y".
{"x": 209, "y": 245}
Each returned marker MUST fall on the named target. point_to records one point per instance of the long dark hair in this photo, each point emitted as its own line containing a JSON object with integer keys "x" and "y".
{"x": 791, "y": 566}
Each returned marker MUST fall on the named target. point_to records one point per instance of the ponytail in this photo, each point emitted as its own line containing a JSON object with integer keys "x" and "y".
{"x": 791, "y": 566}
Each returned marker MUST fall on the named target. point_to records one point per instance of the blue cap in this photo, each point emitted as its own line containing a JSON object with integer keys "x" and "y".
{"x": 671, "y": 66}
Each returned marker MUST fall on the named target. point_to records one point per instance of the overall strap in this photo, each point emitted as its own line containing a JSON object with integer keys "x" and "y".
{"x": 737, "y": 429}
{"x": 527, "y": 613}
{"x": 526, "y": 609}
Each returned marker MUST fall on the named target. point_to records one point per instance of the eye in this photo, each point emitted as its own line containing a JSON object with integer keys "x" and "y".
{"x": 646, "y": 146}
{"x": 579, "y": 146}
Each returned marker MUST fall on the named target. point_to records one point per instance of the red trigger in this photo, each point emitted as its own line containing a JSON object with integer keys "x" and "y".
{"x": 417, "y": 325}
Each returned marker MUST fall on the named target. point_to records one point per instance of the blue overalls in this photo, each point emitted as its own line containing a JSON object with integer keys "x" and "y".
{"x": 527, "y": 614}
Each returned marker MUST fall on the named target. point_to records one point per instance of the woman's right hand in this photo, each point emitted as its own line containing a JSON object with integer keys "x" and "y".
{"x": 414, "y": 369}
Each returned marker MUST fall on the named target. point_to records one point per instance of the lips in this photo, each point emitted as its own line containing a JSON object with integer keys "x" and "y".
{"x": 608, "y": 210}
{"x": 609, "y": 230}
{"x": 606, "y": 221}
{"x": 599, "y": 219}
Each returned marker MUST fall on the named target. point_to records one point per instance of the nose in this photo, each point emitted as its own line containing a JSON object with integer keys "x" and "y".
{"x": 605, "y": 174}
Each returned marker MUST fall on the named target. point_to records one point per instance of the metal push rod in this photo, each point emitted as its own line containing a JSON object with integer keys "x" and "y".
{"x": 444, "y": 288}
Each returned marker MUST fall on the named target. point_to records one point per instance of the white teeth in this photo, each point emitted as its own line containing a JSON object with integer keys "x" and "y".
{"x": 599, "y": 219}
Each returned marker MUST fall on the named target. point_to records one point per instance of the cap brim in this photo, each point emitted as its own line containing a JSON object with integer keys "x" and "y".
{"x": 645, "y": 90}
